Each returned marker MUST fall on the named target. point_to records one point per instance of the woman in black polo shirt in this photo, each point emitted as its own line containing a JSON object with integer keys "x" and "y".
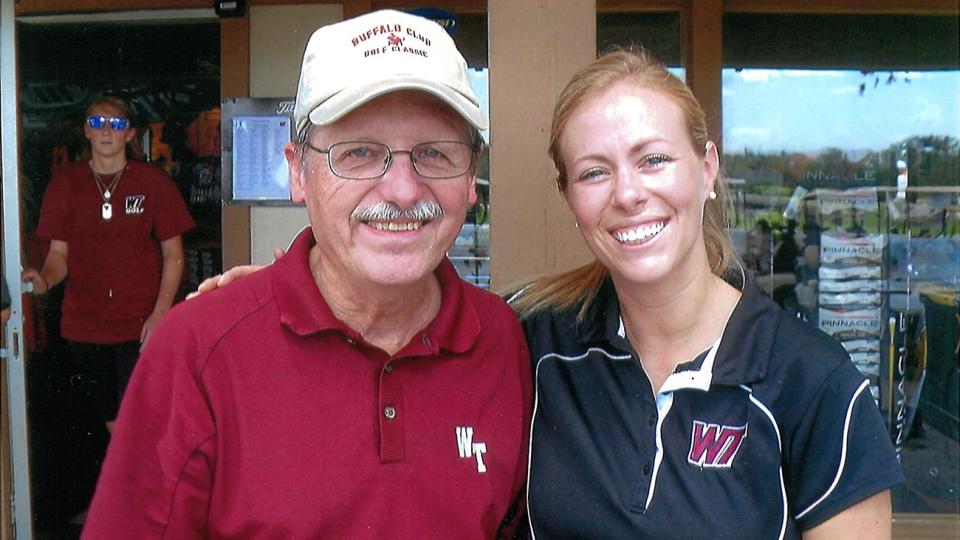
{"x": 673, "y": 399}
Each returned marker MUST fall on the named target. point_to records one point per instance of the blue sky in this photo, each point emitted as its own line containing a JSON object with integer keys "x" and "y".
{"x": 807, "y": 110}
{"x": 480, "y": 84}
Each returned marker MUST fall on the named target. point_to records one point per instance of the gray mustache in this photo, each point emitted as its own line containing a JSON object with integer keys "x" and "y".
{"x": 386, "y": 211}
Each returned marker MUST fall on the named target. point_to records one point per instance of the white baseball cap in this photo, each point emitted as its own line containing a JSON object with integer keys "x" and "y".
{"x": 349, "y": 63}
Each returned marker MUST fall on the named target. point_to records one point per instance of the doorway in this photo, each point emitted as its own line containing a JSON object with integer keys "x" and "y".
{"x": 167, "y": 66}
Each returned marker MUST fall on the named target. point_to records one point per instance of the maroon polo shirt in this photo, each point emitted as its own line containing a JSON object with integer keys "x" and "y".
{"x": 113, "y": 266}
{"x": 255, "y": 413}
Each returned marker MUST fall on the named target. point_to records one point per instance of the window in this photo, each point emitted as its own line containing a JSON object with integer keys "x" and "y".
{"x": 842, "y": 142}
{"x": 470, "y": 252}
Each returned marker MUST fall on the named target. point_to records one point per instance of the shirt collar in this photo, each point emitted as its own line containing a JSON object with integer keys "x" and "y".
{"x": 304, "y": 310}
{"x": 740, "y": 356}
{"x": 744, "y": 354}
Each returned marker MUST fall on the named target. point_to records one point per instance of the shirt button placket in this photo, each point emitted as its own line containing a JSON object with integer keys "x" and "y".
{"x": 647, "y": 430}
{"x": 392, "y": 446}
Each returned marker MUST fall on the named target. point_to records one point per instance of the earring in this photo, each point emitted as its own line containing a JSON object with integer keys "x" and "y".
{"x": 577, "y": 224}
{"x": 713, "y": 195}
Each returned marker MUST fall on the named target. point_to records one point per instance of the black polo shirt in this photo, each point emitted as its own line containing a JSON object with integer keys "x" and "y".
{"x": 769, "y": 433}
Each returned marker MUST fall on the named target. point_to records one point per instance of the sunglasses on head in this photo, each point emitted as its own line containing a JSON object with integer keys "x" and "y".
{"x": 116, "y": 124}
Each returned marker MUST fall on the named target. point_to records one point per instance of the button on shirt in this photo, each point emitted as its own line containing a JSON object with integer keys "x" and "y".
{"x": 745, "y": 441}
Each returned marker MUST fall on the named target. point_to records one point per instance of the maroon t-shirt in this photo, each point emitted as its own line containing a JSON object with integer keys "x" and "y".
{"x": 255, "y": 413}
{"x": 113, "y": 266}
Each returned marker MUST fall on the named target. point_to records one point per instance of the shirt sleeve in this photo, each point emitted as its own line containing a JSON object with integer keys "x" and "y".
{"x": 55, "y": 211}
{"x": 157, "y": 477}
{"x": 840, "y": 453}
{"x": 173, "y": 218}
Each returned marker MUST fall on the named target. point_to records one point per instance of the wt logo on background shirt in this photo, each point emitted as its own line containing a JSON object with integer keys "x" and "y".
{"x": 133, "y": 204}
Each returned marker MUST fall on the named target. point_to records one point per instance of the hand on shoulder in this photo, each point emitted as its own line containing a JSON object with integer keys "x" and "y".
{"x": 231, "y": 275}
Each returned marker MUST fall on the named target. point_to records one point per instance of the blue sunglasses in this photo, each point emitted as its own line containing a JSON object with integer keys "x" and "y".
{"x": 116, "y": 124}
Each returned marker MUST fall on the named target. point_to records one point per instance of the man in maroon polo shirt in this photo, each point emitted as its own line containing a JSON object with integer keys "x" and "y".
{"x": 356, "y": 388}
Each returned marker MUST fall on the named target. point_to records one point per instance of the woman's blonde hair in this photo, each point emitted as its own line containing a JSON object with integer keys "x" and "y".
{"x": 640, "y": 68}
{"x": 134, "y": 148}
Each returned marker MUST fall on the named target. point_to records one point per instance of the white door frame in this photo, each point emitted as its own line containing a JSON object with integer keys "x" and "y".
{"x": 15, "y": 359}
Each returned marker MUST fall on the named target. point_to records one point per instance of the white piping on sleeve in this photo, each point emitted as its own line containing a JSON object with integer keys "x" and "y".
{"x": 783, "y": 486}
{"x": 533, "y": 420}
{"x": 843, "y": 451}
{"x": 582, "y": 356}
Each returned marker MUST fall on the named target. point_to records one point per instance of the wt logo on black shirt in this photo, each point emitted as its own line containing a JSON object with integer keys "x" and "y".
{"x": 713, "y": 445}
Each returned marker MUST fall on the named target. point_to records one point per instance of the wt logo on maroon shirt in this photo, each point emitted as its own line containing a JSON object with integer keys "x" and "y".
{"x": 133, "y": 204}
{"x": 713, "y": 445}
{"x": 469, "y": 449}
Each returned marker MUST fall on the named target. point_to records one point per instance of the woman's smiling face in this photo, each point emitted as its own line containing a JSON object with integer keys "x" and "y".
{"x": 637, "y": 185}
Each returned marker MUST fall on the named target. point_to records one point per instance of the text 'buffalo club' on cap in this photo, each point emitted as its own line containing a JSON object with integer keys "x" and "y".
{"x": 352, "y": 62}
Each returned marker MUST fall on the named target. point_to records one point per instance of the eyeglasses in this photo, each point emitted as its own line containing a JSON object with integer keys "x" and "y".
{"x": 99, "y": 122}
{"x": 365, "y": 160}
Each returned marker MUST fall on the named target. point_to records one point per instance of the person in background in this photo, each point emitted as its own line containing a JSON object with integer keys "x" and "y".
{"x": 786, "y": 251}
{"x": 357, "y": 387}
{"x": 759, "y": 247}
{"x": 114, "y": 225}
{"x": 808, "y": 271}
{"x": 672, "y": 397}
